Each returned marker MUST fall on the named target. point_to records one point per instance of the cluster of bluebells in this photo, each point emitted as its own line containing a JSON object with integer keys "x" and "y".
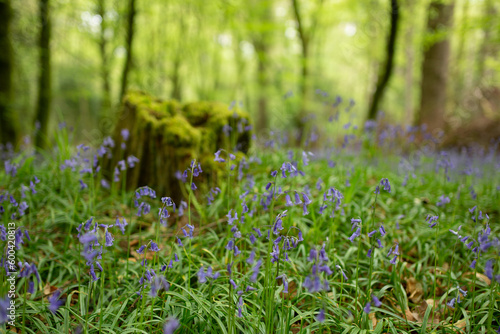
{"x": 432, "y": 220}
{"x": 92, "y": 249}
{"x": 335, "y": 197}
{"x": 156, "y": 282}
{"x": 143, "y": 207}
{"x": 27, "y": 271}
{"x": 15, "y": 208}
{"x": 287, "y": 242}
{"x": 443, "y": 200}
{"x": 195, "y": 170}
{"x": 163, "y": 213}
{"x": 373, "y": 234}
{"x": 313, "y": 282}
{"x": 20, "y": 235}
{"x": 384, "y": 183}
{"x": 457, "y": 299}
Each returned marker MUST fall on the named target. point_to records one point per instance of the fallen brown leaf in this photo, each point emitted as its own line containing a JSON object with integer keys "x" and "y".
{"x": 481, "y": 277}
{"x": 414, "y": 290}
{"x": 373, "y": 319}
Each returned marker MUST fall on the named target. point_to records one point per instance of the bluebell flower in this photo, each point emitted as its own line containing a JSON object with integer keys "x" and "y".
{"x": 488, "y": 269}
{"x": 55, "y": 302}
{"x": 170, "y": 326}
{"x": 154, "y": 247}
{"x": 255, "y": 271}
{"x": 369, "y": 254}
{"x": 108, "y": 239}
{"x": 251, "y": 258}
{"x": 379, "y": 243}
{"x": 297, "y": 199}
{"x": 356, "y": 234}
{"x": 231, "y": 219}
{"x": 341, "y": 271}
{"x": 451, "y": 303}
{"x": 367, "y": 308}
{"x": 141, "y": 249}
{"x": 394, "y": 259}
{"x": 179, "y": 242}
{"x": 376, "y": 301}
{"x": 382, "y": 230}
{"x": 201, "y": 276}
{"x": 372, "y": 233}
{"x": 321, "y": 316}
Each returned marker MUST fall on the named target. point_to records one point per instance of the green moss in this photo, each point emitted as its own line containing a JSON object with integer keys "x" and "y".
{"x": 177, "y": 131}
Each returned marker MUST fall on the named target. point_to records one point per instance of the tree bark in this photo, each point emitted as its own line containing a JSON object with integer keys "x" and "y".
{"x": 409, "y": 66}
{"x": 44, "y": 81}
{"x": 129, "y": 47}
{"x": 488, "y": 46}
{"x": 385, "y": 76}
{"x": 106, "y": 87}
{"x": 8, "y": 122}
{"x": 304, "y": 79}
{"x": 435, "y": 68}
{"x": 459, "y": 70}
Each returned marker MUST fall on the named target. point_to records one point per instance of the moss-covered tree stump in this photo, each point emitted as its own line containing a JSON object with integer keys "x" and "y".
{"x": 166, "y": 135}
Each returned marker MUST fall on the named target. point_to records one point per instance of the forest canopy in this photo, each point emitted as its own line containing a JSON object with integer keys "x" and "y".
{"x": 416, "y": 61}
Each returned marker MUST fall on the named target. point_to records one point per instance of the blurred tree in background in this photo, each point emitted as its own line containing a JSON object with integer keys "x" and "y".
{"x": 282, "y": 60}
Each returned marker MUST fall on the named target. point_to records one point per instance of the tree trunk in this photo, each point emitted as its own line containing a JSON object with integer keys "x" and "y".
{"x": 128, "y": 47}
{"x": 44, "y": 82}
{"x": 386, "y": 74}
{"x": 409, "y": 66}
{"x": 304, "y": 79}
{"x": 106, "y": 89}
{"x": 435, "y": 68}
{"x": 7, "y": 117}
{"x": 488, "y": 46}
{"x": 459, "y": 70}
{"x": 176, "y": 78}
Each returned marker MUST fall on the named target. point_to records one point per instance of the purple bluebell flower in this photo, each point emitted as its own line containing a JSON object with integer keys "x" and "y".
{"x": 367, "y": 308}
{"x": 141, "y": 249}
{"x": 321, "y": 316}
{"x": 179, "y": 242}
{"x": 170, "y": 326}
{"x": 5, "y": 304}
{"x": 341, "y": 271}
{"x": 154, "y": 247}
{"x": 382, "y": 230}
{"x": 394, "y": 259}
{"x": 369, "y": 254}
{"x": 488, "y": 269}
{"x": 356, "y": 234}
{"x": 376, "y": 301}
{"x": 297, "y": 199}
{"x": 55, "y": 302}
{"x": 108, "y": 239}
{"x": 451, "y": 303}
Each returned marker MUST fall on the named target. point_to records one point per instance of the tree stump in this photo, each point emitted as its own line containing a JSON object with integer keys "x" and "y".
{"x": 166, "y": 135}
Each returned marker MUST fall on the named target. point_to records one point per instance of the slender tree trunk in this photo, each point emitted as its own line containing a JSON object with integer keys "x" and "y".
{"x": 488, "y": 46}
{"x": 435, "y": 68}
{"x": 304, "y": 79}
{"x": 176, "y": 79}
{"x": 44, "y": 81}
{"x": 106, "y": 88}
{"x": 129, "y": 47}
{"x": 384, "y": 77}
{"x": 459, "y": 70}
{"x": 410, "y": 62}
{"x": 8, "y": 122}
{"x": 262, "y": 80}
